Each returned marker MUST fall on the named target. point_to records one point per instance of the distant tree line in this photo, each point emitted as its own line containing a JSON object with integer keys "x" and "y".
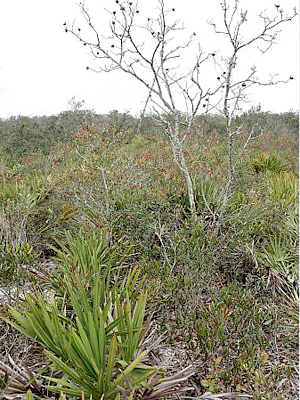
{"x": 21, "y": 136}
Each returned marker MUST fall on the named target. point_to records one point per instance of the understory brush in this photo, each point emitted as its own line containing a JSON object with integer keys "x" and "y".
{"x": 112, "y": 213}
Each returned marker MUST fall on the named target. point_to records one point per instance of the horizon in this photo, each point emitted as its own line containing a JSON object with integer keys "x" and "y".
{"x": 42, "y": 67}
{"x": 146, "y": 115}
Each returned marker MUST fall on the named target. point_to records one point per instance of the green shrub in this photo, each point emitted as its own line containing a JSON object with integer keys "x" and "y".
{"x": 90, "y": 257}
{"x": 283, "y": 189}
{"x": 99, "y": 350}
{"x": 208, "y": 194}
{"x": 139, "y": 141}
{"x": 268, "y": 162}
{"x": 14, "y": 261}
{"x": 92, "y": 329}
{"x": 279, "y": 256}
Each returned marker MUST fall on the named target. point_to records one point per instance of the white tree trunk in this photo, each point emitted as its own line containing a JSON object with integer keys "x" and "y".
{"x": 180, "y": 161}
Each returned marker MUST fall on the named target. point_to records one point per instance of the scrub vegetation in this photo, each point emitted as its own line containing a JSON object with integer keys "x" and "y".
{"x": 110, "y": 288}
{"x": 154, "y": 257}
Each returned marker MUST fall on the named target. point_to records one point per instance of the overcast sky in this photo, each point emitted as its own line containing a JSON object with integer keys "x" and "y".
{"x": 42, "y": 67}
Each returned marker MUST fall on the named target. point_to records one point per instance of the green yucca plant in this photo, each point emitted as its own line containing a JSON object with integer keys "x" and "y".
{"x": 31, "y": 192}
{"x": 274, "y": 164}
{"x": 236, "y": 201}
{"x": 18, "y": 202}
{"x": 268, "y": 162}
{"x": 283, "y": 189}
{"x": 67, "y": 212}
{"x": 91, "y": 259}
{"x": 279, "y": 255}
{"x": 208, "y": 195}
{"x": 96, "y": 351}
{"x": 93, "y": 328}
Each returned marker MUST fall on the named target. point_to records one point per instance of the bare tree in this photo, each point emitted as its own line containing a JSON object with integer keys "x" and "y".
{"x": 75, "y": 104}
{"x": 235, "y": 85}
{"x": 148, "y": 49}
{"x": 151, "y": 50}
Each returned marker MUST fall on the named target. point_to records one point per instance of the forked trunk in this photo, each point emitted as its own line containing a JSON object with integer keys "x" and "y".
{"x": 180, "y": 161}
